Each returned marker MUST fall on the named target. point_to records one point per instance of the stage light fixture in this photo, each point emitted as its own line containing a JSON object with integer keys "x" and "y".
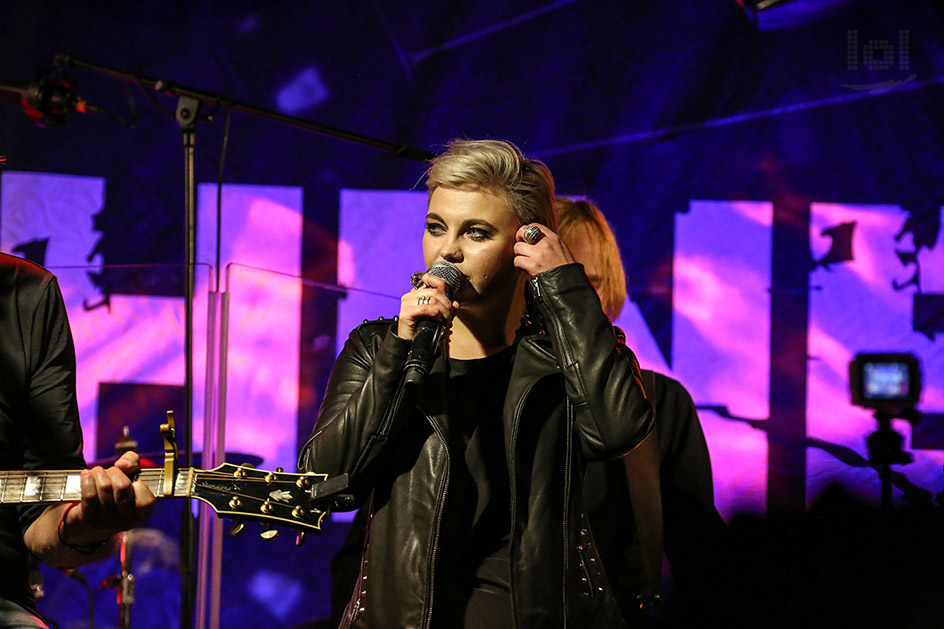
{"x": 771, "y": 15}
{"x": 760, "y": 5}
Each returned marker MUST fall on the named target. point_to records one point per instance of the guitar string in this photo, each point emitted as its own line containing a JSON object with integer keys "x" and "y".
{"x": 57, "y": 486}
{"x": 156, "y": 474}
{"x": 56, "y": 479}
{"x": 151, "y": 472}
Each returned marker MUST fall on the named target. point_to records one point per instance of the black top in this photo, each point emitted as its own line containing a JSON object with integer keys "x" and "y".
{"x": 472, "y": 562}
{"x": 39, "y": 418}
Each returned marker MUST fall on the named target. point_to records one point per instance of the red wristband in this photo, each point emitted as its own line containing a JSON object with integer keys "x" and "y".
{"x": 82, "y": 549}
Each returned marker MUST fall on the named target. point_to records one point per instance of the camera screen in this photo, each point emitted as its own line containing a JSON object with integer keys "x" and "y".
{"x": 885, "y": 381}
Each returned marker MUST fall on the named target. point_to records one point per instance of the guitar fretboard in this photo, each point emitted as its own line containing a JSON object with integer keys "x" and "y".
{"x": 64, "y": 486}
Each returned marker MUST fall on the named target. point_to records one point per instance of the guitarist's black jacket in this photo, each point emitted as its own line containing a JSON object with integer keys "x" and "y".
{"x": 39, "y": 418}
{"x": 574, "y": 394}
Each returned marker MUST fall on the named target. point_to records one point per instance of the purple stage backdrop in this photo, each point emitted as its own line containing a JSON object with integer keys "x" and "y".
{"x": 775, "y": 184}
{"x": 721, "y": 319}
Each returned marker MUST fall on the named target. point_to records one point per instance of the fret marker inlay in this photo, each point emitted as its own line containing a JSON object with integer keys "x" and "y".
{"x": 73, "y": 485}
{"x": 34, "y": 485}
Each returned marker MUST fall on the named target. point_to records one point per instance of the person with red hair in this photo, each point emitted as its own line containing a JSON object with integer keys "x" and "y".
{"x": 670, "y": 485}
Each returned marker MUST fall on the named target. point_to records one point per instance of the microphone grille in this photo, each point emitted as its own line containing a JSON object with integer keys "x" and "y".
{"x": 448, "y": 272}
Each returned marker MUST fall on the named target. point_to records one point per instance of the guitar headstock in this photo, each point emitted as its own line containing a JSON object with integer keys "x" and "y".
{"x": 244, "y": 493}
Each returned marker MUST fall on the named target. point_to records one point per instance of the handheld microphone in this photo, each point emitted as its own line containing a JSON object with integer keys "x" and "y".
{"x": 428, "y": 332}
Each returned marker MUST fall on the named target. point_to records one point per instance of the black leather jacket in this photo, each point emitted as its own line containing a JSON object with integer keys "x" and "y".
{"x": 574, "y": 395}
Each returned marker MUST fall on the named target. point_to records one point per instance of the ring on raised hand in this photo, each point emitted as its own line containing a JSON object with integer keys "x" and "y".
{"x": 422, "y": 300}
{"x": 532, "y": 234}
{"x": 417, "y": 279}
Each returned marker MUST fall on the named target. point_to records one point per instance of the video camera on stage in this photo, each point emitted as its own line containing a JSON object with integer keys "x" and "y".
{"x": 887, "y": 383}
{"x": 890, "y": 385}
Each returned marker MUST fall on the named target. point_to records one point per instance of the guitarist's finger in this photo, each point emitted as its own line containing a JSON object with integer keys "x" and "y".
{"x": 105, "y": 491}
{"x": 123, "y": 494}
{"x": 144, "y": 501}
{"x": 129, "y": 463}
{"x": 90, "y": 504}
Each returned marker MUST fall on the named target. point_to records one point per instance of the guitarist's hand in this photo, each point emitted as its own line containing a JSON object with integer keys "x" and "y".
{"x": 110, "y": 503}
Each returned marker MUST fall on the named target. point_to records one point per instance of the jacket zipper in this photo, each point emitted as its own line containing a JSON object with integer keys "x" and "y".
{"x": 434, "y": 542}
{"x": 356, "y": 610}
{"x": 384, "y": 430}
{"x": 565, "y": 359}
{"x": 567, "y": 460}
{"x": 514, "y": 503}
{"x": 392, "y": 410}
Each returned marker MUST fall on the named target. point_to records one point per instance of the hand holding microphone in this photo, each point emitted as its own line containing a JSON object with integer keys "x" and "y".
{"x": 423, "y": 313}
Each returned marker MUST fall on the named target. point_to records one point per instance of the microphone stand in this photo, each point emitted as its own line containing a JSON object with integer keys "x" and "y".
{"x": 124, "y": 583}
{"x": 187, "y": 115}
{"x": 218, "y": 100}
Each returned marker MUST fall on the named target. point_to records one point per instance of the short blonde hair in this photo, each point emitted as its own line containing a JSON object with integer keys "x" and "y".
{"x": 498, "y": 167}
{"x": 571, "y": 216}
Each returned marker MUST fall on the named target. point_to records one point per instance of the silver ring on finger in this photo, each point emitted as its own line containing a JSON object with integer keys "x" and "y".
{"x": 422, "y": 300}
{"x": 532, "y": 234}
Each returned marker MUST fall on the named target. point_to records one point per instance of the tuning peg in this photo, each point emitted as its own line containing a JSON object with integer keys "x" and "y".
{"x": 269, "y": 533}
{"x": 300, "y": 539}
{"x": 237, "y": 528}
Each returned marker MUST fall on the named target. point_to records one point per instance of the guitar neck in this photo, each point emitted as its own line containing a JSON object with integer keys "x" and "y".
{"x": 47, "y": 487}
{"x": 298, "y": 501}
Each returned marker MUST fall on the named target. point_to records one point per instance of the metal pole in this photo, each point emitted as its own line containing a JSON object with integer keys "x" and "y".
{"x": 187, "y": 114}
